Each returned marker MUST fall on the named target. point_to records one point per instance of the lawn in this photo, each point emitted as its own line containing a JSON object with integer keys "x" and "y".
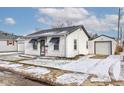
{"x": 99, "y": 56}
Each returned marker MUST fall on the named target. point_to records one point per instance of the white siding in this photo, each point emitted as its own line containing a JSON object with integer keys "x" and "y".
{"x": 20, "y": 46}
{"x": 6, "y": 48}
{"x": 29, "y": 48}
{"x": 52, "y": 52}
{"x": 81, "y": 38}
{"x": 101, "y": 38}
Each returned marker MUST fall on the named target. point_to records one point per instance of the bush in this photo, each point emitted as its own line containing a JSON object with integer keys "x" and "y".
{"x": 118, "y": 50}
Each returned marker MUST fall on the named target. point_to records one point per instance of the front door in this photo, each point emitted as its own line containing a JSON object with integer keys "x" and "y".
{"x": 42, "y": 47}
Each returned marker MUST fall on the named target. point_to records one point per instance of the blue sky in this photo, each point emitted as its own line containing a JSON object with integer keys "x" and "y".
{"x": 22, "y": 21}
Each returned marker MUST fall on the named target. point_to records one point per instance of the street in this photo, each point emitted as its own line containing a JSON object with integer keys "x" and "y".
{"x": 10, "y": 79}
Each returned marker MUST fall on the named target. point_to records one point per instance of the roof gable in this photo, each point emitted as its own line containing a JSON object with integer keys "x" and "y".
{"x": 103, "y": 36}
{"x": 4, "y": 35}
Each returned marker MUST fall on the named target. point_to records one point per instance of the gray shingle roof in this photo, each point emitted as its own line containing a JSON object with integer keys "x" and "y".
{"x": 57, "y": 31}
{"x": 103, "y": 35}
{"x": 4, "y": 36}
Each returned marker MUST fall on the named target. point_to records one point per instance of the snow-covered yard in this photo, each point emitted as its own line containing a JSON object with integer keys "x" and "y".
{"x": 72, "y": 78}
{"x": 44, "y": 74}
{"x": 102, "y": 68}
{"x": 59, "y": 63}
{"x": 36, "y": 70}
{"x": 47, "y": 62}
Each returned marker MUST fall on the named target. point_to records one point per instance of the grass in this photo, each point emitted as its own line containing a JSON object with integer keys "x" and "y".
{"x": 99, "y": 56}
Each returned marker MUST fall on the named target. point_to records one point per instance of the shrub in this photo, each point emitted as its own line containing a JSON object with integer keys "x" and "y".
{"x": 118, "y": 50}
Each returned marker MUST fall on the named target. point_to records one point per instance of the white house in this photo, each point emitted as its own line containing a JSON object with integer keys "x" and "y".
{"x": 7, "y": 42}
{"x": 61, "y": 42}
{"x": 11, "y": 43}
{"x": 102, "y": 45}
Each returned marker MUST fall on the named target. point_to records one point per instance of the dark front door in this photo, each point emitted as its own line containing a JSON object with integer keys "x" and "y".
{"x": 42, "y": 47}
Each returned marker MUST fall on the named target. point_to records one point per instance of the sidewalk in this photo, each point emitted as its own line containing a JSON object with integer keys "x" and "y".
{"x": 9, "y": 53}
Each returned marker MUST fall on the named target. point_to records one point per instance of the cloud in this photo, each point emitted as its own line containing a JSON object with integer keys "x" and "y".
{"x": 79, "y": 16}
{"x": 9, "y": 21}
{"x": 72, "y": 13}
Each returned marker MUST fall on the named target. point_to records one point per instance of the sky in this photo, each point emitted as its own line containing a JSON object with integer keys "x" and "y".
{"x": 23, "y": 21}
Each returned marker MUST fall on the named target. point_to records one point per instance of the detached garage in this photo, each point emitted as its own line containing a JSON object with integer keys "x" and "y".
{"x": 102, "y": 45}
{"x": 20, "y": 44}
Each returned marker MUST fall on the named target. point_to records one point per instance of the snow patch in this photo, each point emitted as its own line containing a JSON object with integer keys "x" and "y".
{"x": 2, "y": 74}
{"x": 122, "y": 56}
{"x": 15, "y": 65}
{"x": 100, "y": 79}
{"x": 99, "y": 67}
{"x": 37, "y": 70}
{"x": 47, "y": 62}
{"x": 82, "y": 65}
{"x": 71, "y": 78}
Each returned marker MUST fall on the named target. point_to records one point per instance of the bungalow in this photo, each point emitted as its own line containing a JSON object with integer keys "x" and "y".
{"x": 61, "y": 42}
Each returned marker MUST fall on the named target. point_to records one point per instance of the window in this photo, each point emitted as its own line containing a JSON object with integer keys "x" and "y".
{"x": 35, "y": 45}
{"x": 10, "y": 42}
{"x": 55, "y": 41}
{"x": 75, "y": 44}
{"x": 87, "y": 44}
{"x": 56, "y": 46}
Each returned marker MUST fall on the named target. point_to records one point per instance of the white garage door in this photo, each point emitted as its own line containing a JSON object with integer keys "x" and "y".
{"x": 103, "y": 48}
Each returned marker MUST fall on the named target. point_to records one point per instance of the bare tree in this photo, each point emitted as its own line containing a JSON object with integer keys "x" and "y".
{"x": 58, "y": 23}
{"x": 93, "y": 35}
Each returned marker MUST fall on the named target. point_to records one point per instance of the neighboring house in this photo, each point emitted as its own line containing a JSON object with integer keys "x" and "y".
{"x": 61, "y": 42}
{"x": 11, "y": 43}
{"x": 102, "y": 45}
{"x": 7, "y": 42}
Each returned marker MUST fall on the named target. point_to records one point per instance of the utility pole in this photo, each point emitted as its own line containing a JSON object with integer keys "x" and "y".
{"x": 121, "y": 36}
{"x": 120, "y": 33}
{"x": 119, "y": 17}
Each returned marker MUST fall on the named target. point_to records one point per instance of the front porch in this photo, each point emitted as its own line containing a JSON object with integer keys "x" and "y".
{"x": 46, "y": 46}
